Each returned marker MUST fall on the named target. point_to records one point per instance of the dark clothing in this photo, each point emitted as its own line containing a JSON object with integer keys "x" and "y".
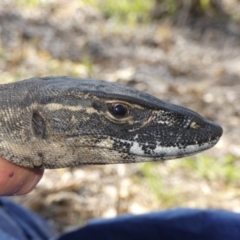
{"x": 19, "y": 223}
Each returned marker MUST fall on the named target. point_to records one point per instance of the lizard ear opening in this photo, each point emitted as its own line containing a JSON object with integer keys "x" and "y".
{"x": 38, "y": 125}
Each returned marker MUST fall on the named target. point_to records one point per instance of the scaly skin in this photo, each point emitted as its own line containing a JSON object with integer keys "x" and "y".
{"x": 57, "y": 122}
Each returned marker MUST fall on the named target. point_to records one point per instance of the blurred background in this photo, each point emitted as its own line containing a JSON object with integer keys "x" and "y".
{"x": 186, "y": 52}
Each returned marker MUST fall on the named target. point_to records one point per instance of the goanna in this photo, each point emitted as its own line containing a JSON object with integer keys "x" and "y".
{"x": 56, "y": 122}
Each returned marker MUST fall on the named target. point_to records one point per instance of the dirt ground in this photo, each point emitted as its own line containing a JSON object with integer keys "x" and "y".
{"x": 197, "y": 67}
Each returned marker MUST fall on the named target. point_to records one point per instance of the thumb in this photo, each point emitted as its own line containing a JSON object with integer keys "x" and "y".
{"x": 17, "y": 180}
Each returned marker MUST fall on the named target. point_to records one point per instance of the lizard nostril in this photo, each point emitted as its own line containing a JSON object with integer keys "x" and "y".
{"x": 194, "y": 125}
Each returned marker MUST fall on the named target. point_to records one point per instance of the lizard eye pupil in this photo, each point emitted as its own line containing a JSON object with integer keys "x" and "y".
{"x": 119, "y": 110}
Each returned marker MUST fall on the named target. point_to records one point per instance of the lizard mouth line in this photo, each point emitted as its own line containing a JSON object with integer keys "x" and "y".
{"x": 147, "y": 151}
{"x": 168, "y": 152}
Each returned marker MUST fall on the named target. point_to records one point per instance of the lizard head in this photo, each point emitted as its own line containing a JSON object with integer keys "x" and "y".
{"x": 59, "y": 122}
{"x": 103, "y": 123}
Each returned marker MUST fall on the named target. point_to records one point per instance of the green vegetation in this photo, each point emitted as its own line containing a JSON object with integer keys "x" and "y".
{"x": 167, "y": 187}
{"x": 195, "y": 9}
{"x": 29, "y": 3}
{"x": 213, "y": 169}
{"x": 132, "y": 11}
{"x": 135, "y": 11}
{"x": 189, "y": 6}
{"x": 157, "y": 186}
{"x": 124, "y": 10}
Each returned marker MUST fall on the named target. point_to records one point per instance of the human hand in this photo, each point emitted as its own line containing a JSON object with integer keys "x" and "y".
{"x": 17, "y": 180}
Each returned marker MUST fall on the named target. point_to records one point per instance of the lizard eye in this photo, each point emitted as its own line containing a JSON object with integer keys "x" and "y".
{"x": 118, "y": 110}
